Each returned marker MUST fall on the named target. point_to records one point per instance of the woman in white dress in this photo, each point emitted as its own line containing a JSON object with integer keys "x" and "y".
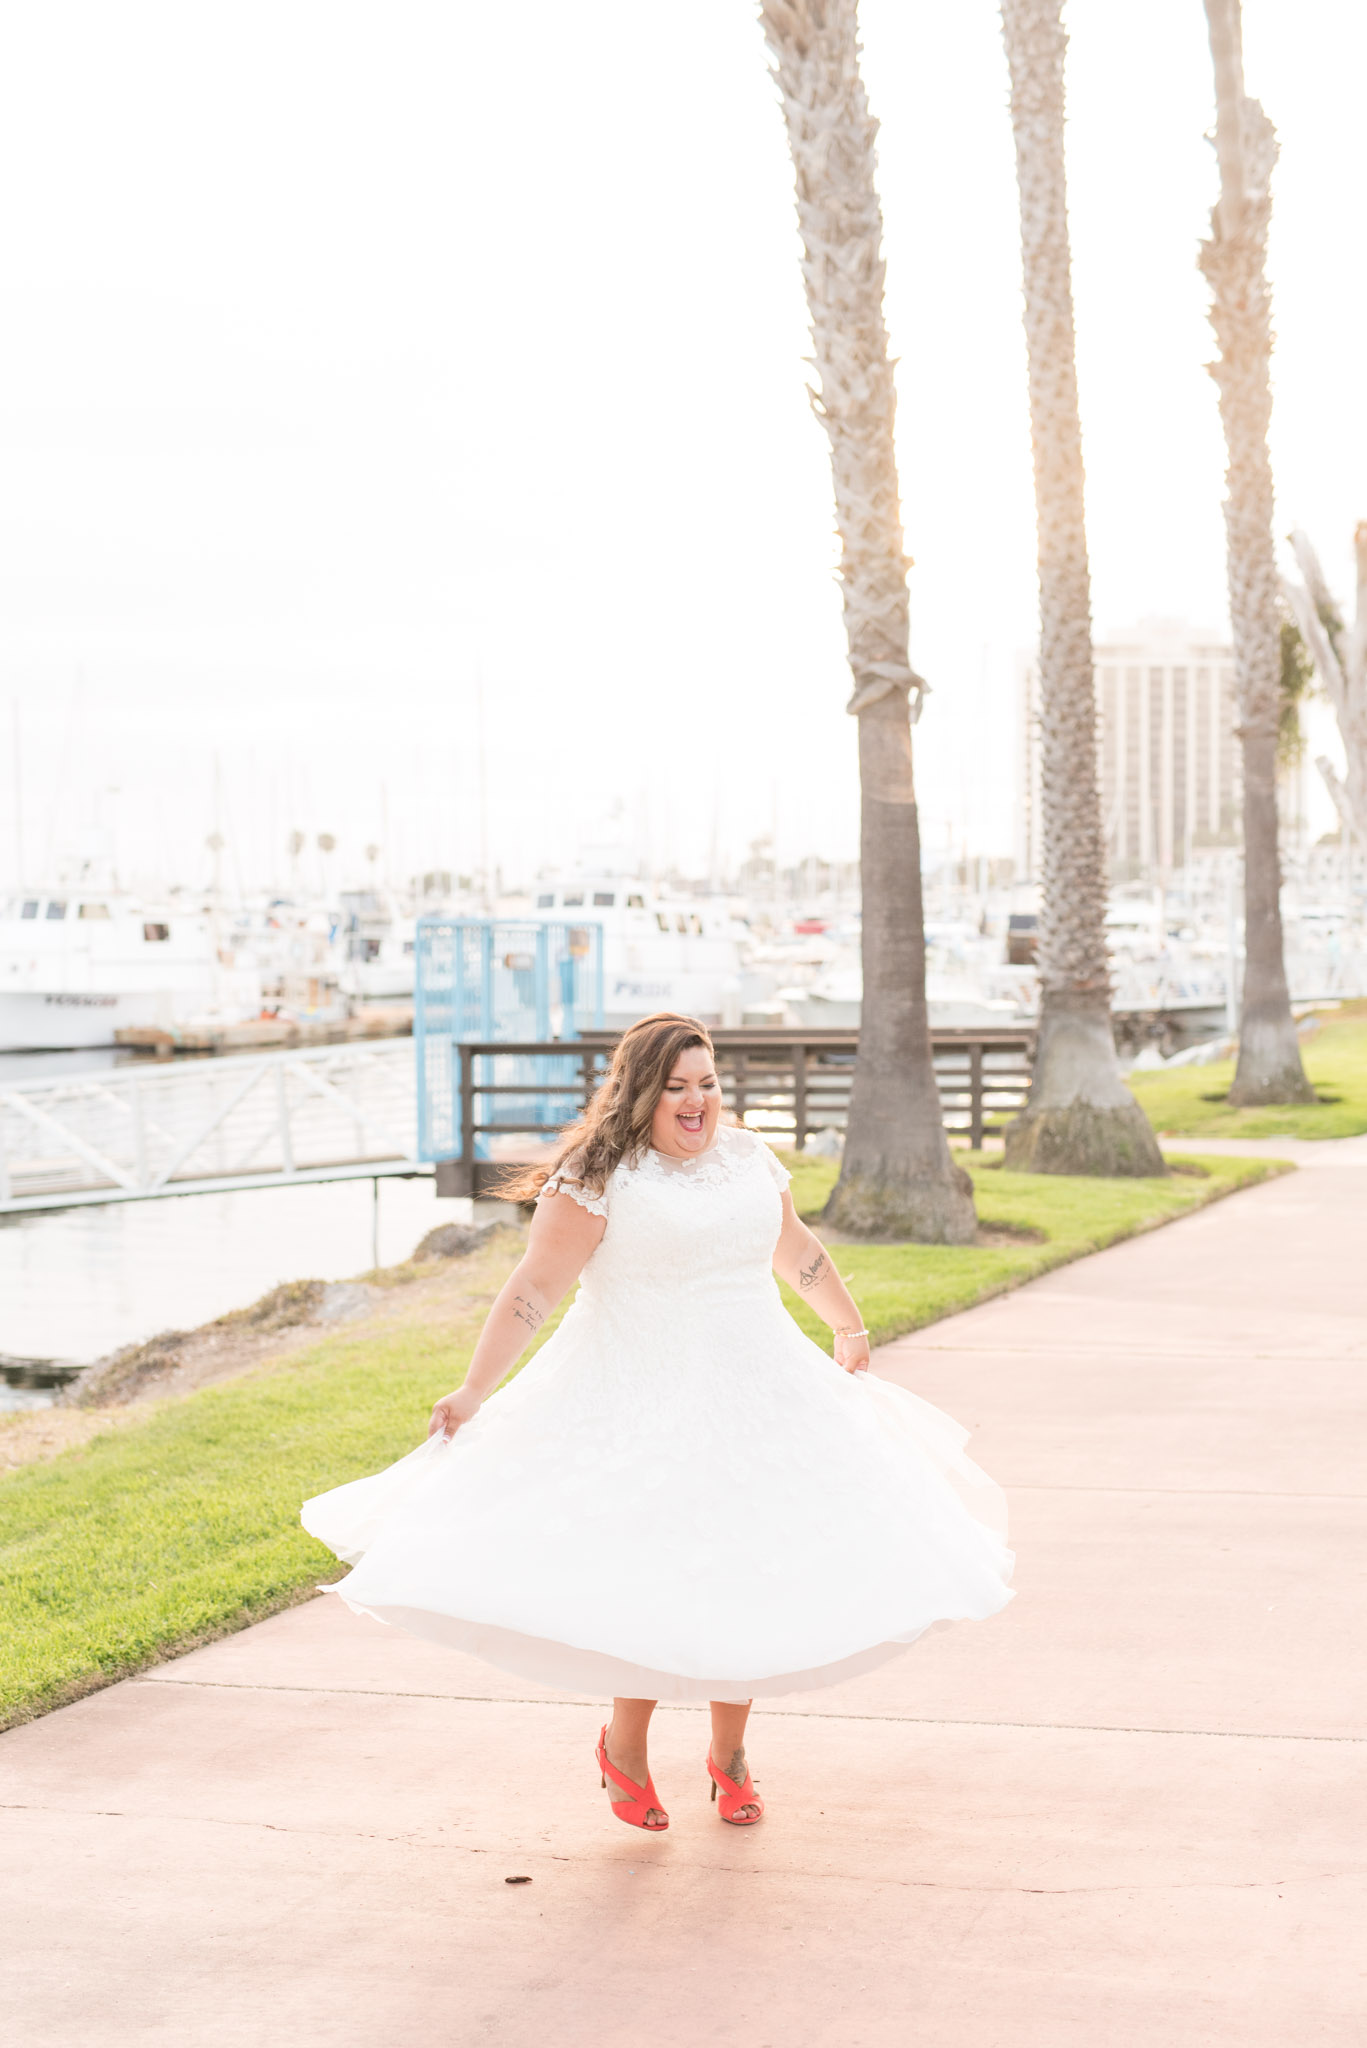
{"x": 681, "y": 1497}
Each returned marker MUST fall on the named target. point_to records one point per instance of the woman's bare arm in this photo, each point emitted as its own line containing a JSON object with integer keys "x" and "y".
{"x": 562, "y": 1239}
{"x": 802, "y": 1260}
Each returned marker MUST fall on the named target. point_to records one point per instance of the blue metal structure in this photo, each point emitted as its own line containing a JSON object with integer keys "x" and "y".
{"x": 480, "y": 980}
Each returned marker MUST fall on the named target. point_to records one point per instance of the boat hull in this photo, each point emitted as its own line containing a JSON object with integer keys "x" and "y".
{"x": 35, "y": 1022}
{"x": 706, "y": 994}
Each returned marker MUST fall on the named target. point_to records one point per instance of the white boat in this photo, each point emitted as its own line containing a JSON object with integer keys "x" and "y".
{"x": 79, "y": 963}
{"x": 660, "y": 952}
{"x": 297, "y": 953}
{"x": 381, "y": 946}
{"x": 953, "y": 1003}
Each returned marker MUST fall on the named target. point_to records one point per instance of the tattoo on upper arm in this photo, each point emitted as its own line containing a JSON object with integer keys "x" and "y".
{"x": 813, "y": 1275}
{"x": 527, "y": 1312}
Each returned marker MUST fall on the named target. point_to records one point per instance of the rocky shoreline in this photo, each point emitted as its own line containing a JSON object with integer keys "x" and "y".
{"x": 178, "y": 1362}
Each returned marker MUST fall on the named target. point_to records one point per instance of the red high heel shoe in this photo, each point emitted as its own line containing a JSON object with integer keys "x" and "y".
{"x": 641, "y": 1798}
{"x": 734, "y": 1795}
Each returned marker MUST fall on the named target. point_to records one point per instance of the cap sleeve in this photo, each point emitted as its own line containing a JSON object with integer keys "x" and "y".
{"x": 778, "y": 1172}
{"x": 563, "y": 1182}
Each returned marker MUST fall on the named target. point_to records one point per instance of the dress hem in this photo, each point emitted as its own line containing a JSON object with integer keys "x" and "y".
{"x": 567, "y": 1668}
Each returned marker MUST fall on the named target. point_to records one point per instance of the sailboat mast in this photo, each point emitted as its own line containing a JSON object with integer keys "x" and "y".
{"x": 17, "y": 767}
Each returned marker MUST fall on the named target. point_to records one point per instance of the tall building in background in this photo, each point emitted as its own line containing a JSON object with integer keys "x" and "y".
{"x": 1166, "y": 753}
{"x": 1165, "y": 730}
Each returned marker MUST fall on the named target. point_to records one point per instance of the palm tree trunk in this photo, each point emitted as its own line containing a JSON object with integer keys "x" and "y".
{"x": 1235, "y": 264}
{"x": 1080, "y": 1117}
{"x": 897, "y": 1178}
{"x": 1339, "y": 654}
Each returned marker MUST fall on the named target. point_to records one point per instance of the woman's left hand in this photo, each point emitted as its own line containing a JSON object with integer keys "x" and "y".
{"x": 852, "y": 1353}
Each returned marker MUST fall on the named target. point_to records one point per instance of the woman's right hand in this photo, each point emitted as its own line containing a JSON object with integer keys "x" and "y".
{"x": 452, "y": 1410}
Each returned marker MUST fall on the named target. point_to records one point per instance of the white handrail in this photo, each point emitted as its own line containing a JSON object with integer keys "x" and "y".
{"x": 143, "y": 1131}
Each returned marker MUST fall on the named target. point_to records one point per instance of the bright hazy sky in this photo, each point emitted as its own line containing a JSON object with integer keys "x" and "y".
{"x": 349, "y": 353}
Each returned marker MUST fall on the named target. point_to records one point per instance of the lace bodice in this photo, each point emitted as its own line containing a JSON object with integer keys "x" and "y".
{"x": 687, "y": 1229}
{"x": 731, "y": 1153}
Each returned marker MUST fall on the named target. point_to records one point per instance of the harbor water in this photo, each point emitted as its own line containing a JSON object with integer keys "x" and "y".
{"x": 75, "y": 1284}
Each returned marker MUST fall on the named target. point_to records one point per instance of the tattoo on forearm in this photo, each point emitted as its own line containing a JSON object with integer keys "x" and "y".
{"x": 813, "y": 1275}
{"x": 527, "y": 1312}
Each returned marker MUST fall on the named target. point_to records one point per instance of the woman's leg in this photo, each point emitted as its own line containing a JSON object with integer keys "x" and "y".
{"x": 728, "y": 1745}
{"x": 626, "y": 1747}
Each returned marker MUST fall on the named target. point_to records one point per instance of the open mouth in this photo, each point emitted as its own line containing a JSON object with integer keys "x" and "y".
{"x": 691, "y": 1121}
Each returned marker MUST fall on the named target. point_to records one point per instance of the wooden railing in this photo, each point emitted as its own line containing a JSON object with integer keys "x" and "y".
{"x": 789, "y": 1084}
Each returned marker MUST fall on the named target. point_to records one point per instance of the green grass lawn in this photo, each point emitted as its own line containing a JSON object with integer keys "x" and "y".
{"x": 183, "y": 1525}
{"x": 1188, "y": 1101}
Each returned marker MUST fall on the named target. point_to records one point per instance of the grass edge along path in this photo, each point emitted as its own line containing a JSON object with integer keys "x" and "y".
{"x": 183, "y": 1526}
{"x": 1189, "y": 1102}
{"x": 1055, "y": 1219}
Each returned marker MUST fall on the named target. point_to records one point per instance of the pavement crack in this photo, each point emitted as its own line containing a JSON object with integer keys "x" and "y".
{"x": 1067, "y": 1891}
{"x": 1181, "y": 1492}
{"x": 208, "y": 1820}
{"x": 90, "y": 1812}
{"x": 583, "y": 1860}
{"x": 475, "y": 1699}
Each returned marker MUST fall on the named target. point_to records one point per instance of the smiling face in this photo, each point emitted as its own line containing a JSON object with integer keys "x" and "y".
{"x": 685, "y": 1119}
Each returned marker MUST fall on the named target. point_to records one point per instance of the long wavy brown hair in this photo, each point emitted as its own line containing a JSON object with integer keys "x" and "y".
{"x": 616, "y": 1122}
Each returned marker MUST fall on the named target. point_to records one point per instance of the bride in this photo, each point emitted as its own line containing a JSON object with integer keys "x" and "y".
{"x": 681, "y": 1497}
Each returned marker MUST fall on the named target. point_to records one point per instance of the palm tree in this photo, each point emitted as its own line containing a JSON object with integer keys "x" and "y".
{"x": 897, "y": 1178}
{"x": 1080, "y": 1117}
{"x": 1339, "y": 656}
{"x": 1235, "y": 264}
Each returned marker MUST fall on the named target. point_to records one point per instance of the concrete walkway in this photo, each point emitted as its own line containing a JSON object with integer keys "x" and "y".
{"x": 1129, "y": 1812}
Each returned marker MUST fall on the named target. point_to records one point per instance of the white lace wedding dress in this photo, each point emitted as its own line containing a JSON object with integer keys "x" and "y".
{"x": 681, "y": 1496}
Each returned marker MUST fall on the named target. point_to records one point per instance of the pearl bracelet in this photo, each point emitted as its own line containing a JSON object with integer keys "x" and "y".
{"x": 851, "y": 1333}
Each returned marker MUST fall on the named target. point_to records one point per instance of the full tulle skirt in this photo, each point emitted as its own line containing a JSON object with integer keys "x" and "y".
{"x": 734, "y": 1518}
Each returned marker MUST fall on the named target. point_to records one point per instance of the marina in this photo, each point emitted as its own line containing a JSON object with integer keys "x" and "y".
{"x": 202, "y": 1158}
